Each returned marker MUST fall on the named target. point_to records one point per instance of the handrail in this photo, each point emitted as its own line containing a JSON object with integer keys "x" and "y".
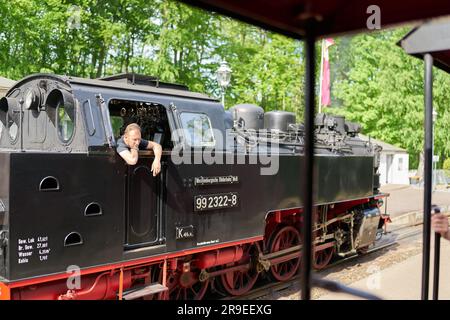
{"x": 437, "y": 258}
{"x": 340, "y": 288}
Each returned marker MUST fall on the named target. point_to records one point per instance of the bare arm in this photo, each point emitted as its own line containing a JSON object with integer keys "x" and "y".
{"x": 439, "y": 223}
{"x": 130, "y": 157}
{"x": 157, "y": 149}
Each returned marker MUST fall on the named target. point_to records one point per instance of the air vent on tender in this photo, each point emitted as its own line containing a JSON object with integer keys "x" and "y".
{"x": 49, "y": 184}
{"x": 73, "y": 239}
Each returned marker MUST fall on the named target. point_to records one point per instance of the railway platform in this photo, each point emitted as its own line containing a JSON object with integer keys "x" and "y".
{"x": 405, "y": 199}
{"x": 402, "y": 281}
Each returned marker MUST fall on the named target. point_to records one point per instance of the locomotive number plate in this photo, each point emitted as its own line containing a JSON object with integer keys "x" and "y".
{"x": 216, "y": 201}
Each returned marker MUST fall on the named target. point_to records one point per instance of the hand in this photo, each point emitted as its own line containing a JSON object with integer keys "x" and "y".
{"x": 133, "y": 146}
{"x": 156, "y": 167}
{"x": 439, "y": 223}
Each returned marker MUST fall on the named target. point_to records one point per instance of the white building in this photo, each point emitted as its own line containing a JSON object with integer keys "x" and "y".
{"x": 394, "y": 163}
{"x": 5, "y": 84}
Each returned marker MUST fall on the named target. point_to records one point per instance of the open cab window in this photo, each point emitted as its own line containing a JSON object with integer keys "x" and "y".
{"x": 151, "y": 117}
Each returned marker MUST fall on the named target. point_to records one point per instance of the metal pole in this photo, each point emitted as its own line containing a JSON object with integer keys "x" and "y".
{"x": 308, "y": 161}
{"x": 337, "y": 287}
{"x": 434, "y": 168}
{"x": 427, "y": 175}
{"x": 21, "y": 125}
{"x": 433, "y": 163}
{"x": 223, "y": 97}
{"x": 437, "y": 260}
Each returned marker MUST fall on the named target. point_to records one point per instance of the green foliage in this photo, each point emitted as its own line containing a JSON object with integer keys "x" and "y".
{"x": 381, "y": 87}
{"x": 267, "y": 68}
{"x": 446, "y": 165}
{"x": 167, "y": 39}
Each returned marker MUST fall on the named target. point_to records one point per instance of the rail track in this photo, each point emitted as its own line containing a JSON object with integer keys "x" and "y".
{"x": 266, "y": 288}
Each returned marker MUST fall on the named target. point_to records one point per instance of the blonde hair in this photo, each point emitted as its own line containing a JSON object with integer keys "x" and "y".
{"x": 131, "y": 127}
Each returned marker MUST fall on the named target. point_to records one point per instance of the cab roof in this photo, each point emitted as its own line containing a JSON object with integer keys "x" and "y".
{"x": 69, "y": 80}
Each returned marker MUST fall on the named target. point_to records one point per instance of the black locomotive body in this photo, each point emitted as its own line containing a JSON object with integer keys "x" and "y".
{"x": 227, "y": 204}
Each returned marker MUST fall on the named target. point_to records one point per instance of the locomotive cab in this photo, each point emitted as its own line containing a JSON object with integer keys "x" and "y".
{"x": 144, "y": 193}
{"x": 57, "y": 149}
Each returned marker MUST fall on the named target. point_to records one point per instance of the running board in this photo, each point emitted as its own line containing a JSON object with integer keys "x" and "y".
{"x": 144, "y": 291}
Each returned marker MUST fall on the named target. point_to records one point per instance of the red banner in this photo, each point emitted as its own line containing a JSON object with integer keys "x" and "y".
{"x": 325, "y": 98}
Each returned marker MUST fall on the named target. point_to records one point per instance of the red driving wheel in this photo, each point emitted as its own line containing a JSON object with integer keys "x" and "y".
{"x": 322, "y": 258}
{"x": 186, "y": 286}
{"x": 240, "y": 282}
{"x": 286, "y": 237}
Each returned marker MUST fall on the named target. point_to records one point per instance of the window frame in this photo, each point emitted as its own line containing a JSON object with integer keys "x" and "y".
{"x": 65, "y": 142}
{"x": 187, "y": 141}
{"x": 400, "y": 164}
{"x": 10, "y": 122}
{"x": 7, "y": 126}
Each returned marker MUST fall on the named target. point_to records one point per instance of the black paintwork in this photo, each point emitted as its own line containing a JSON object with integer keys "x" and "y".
{"x": 4, "y": 212}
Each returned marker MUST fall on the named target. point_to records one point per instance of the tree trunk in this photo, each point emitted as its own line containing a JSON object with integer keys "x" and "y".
{"x": 94, "y": 63}
{"x": 101, "y": 61}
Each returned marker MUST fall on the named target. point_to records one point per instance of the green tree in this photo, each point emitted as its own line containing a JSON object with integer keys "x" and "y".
{"x": 382, "y": 89}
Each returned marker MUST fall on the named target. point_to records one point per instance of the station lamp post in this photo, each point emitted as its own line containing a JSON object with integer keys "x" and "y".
{"x": 223, "y": 78}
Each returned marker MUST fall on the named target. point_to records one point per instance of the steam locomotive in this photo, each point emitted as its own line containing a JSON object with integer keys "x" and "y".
{"x": 76, "y": 222}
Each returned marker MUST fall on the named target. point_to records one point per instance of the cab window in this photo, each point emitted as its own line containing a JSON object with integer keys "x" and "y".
{"x": 117, "y": 123}
{"x": 151, "y": 117}
{"x": 13, "y": 129}
{"x": 197, "y": 129}
{"x": 65, "y": 123}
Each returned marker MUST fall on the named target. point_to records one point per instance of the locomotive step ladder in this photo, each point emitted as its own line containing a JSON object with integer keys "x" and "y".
{"x": 150, "y": 289}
